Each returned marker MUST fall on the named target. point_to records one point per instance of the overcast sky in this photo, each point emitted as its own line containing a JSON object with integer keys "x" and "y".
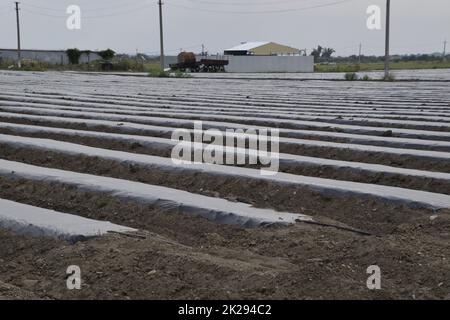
{"x": 130, "y": 25}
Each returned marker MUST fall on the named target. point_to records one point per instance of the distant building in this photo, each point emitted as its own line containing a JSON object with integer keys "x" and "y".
{"x": 261, "y": 49}
{"x": 254, "y": 57}
{"x": 48, "y": 56}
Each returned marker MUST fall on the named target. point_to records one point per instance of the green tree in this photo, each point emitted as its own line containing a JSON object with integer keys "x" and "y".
{"x": 316, "y": 53}
{"x": 327, "y": 53}
{"x": 73, "y": 55}
{"x": 107, "y": 54}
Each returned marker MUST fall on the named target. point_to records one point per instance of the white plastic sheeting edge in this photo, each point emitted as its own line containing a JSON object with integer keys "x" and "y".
{"x": 163, "y": 144}
{"x": 299, "y": 142}
{"x": 328, "y": 186}
{"x": 34, "y": 221}
{"x": 218, "y": 210}
{"x": 211, "y": 115}
{"x": 355, "y": 139}
{"x": 54, "y": 114}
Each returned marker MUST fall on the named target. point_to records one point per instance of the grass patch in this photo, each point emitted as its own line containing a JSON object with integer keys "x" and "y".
{"x": 337, "y": 67}
{"x": 379, "y": 66}
{"x": 118, "y": 65}
{"x": 27, "y": 65}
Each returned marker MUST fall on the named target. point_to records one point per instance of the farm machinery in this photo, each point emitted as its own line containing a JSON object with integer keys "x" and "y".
{"x": 187, "y": 61}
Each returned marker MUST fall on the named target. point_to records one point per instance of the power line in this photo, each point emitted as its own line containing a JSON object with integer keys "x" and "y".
{"x": 261, "y": 11}
{"x": 248, "y": 3}
{"x": 85, "y": 10}
{"x": 50, "y": 15}
{"x": 119, "y": 13}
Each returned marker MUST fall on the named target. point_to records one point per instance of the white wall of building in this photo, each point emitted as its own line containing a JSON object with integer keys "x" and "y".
{"x": 52, "y": 57}
{"x": 282, "y": 64}
{"x": 260, "y": 64}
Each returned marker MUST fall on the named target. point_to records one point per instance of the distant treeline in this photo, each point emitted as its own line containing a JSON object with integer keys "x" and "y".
{"x": 394, "y": 58}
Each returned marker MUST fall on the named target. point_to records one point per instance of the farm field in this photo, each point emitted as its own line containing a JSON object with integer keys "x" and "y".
{"x": 364, "y": 180}
{"x": 418, "y": 74}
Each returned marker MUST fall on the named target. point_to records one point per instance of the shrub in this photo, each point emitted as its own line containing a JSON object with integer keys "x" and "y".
{"x": 73, "y": 55}
{"x": 107, "y": 54}
{"x": 351, "y": 76}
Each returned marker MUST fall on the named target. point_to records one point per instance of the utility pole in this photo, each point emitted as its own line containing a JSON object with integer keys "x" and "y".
{"x": 388, "y": 26}
{"x": 445, "y": 51}
{"x": 19, "y": 54}
{"x": 360, "y": 51}
{"x": 161, "y": 34}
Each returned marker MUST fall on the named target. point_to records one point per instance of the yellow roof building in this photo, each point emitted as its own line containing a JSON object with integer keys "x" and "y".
{"x": 261, "y": 49}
